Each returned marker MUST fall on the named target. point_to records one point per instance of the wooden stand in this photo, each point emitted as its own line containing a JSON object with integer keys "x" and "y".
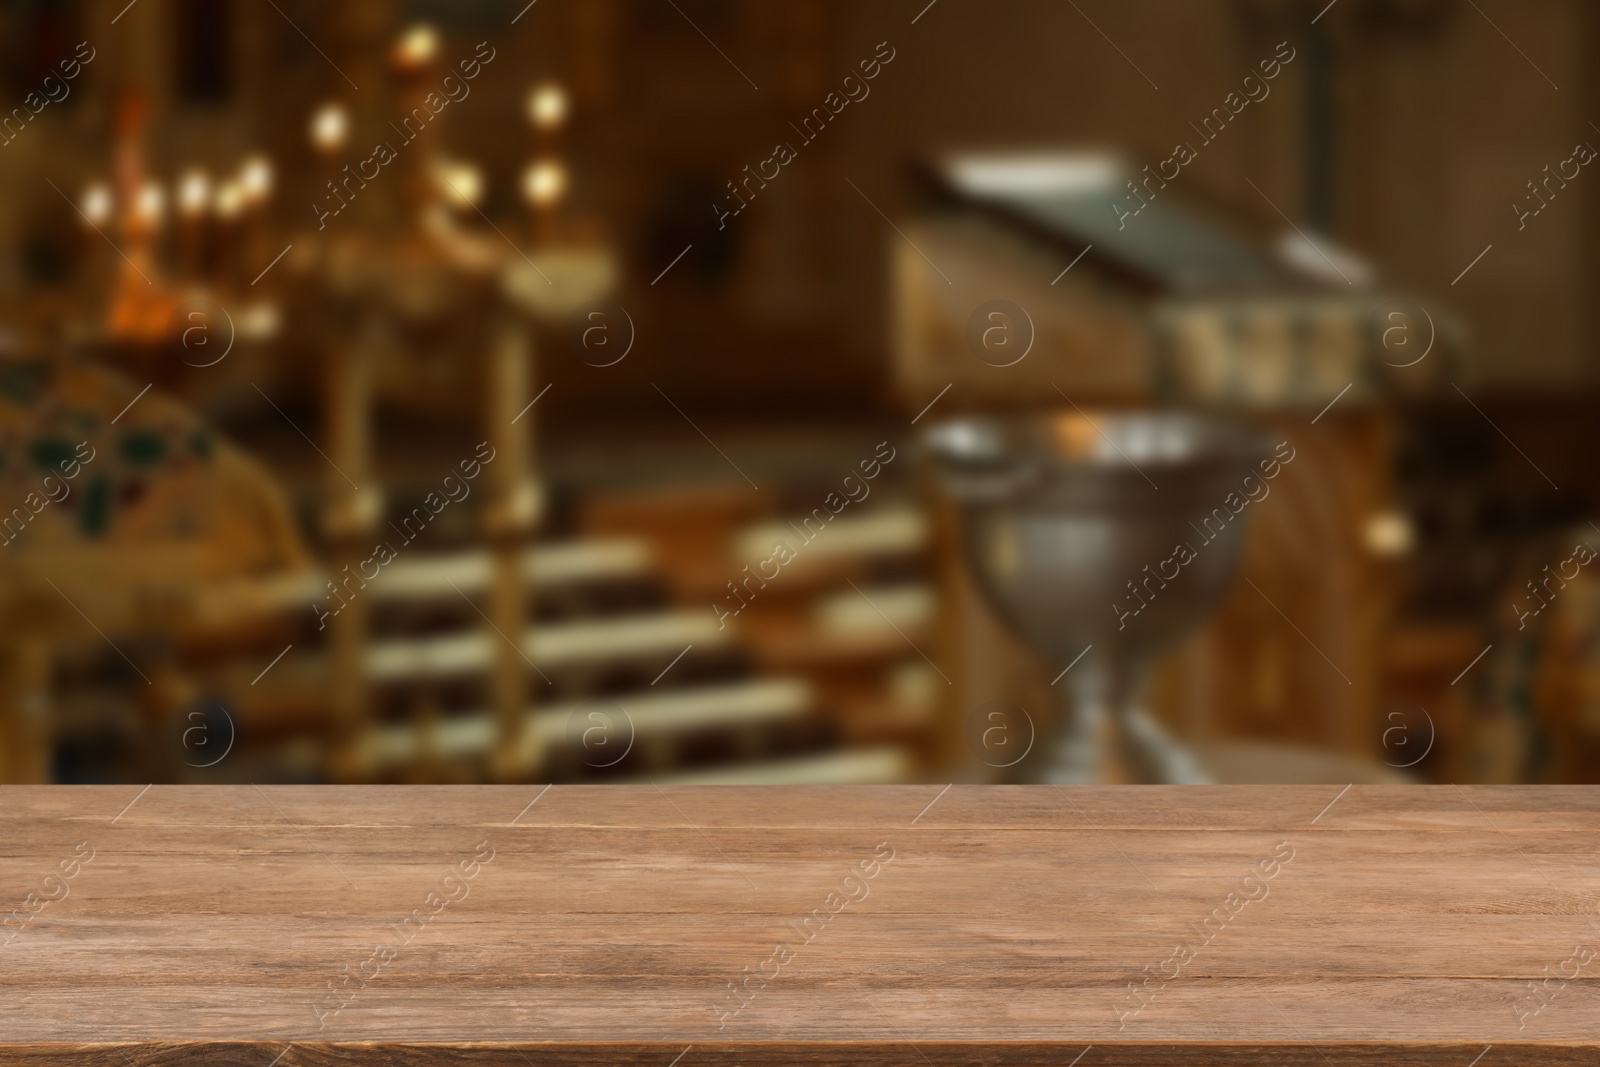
{"x": 24, "y": 722}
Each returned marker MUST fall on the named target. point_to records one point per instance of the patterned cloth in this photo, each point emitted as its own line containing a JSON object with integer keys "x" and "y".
{"x": 80, "y": 468}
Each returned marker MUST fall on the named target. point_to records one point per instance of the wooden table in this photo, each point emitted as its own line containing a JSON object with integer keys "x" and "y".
{"x": 917, "y": 926}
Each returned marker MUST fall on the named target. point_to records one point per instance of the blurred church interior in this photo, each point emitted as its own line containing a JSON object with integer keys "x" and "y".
{"x": 420, "y": 383}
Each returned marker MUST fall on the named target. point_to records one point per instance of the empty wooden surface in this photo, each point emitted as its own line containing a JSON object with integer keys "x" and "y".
{"x": 604, "y": 925}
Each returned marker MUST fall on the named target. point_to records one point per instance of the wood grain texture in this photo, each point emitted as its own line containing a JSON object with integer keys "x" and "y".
{"x": 989, "y": 925}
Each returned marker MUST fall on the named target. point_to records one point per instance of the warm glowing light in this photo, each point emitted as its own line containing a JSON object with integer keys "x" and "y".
{"x": 150, "y": 203}
{"x": 230, "y": 200}
{"x": 417, "y": 46}
{"x": 547, "y": 106}
{"x": 259, "y": 321}
{"x": 255, "y": 179}
{"x": 194, "y": 192}
{"x": 330, "y": 125}
{"x": 97, "y": 204}
{"x": 460, "y": 183}
{"x": 1388, "y": 534}
{"x": 544, "y": 182}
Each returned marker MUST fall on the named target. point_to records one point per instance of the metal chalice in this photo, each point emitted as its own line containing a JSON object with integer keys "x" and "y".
{"x": 1115, "y": 531}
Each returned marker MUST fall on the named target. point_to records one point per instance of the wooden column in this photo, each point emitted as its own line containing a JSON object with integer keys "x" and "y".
{"x": 510, "y": 520}
{"x": 353, "y": 507}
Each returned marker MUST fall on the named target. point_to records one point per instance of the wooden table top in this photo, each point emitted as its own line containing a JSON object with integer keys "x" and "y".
{"x": 908, "y": 925}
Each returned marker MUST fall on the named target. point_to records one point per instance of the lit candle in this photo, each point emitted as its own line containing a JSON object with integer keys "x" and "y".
{"x": 194, "y": 196}
{"x": 229, "y": 201}
{"x": 97, "y": 204}
{"x": 460, "y": 183}
{"x": 194, "y": 193}
{"x": 150, "y": 204}
{"x": 330, "y": 125}
{"x": 255, "y": 179}
{"x": 417, "y": 47}
{"x": 547, "y": 106}
{"x": 544, "y": 183}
